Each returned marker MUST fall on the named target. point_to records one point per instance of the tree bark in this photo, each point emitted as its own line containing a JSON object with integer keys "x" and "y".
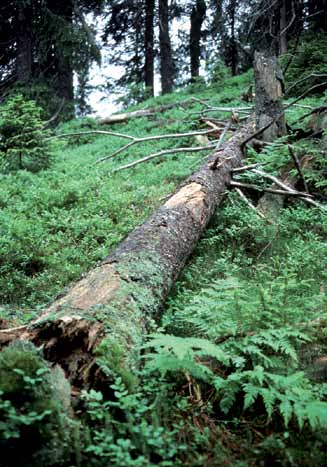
{"x": 148, "y": 112}
{"x": 116, "y": 303}
{"x": 61, "y": 57}
{"x": 233, "y": 48}
{"x": 268, "y": 95}
{"x": 197, "y": 18}
{"x": 149, "y": 47}
{"x": 282, "y": 29}
{"x": 166, "y": 61}
{"x": 268, "y": 106}
{"x": 24, "y": 43}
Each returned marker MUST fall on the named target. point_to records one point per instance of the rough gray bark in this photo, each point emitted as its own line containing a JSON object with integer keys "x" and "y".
{"x": 149, "y": 46}
{"x": 197, "y": 17}
{"x": 268, "y": 95}
{"x": 268, "y": 106}
{"x": 282, "y": 29}
{"x": 233, "y": 48}
{"x": 61, "y": 59}
{"x": 24, "y": 43}
{"x": 166, "y": 60}
{"x": 116, "y": 303}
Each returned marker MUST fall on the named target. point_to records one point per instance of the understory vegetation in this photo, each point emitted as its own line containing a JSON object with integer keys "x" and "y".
{"x": 235, "y": 372}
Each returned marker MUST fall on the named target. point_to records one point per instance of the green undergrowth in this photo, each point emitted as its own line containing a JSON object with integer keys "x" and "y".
{"x": 234, "y": 373}
{"x": 79, "y": 211}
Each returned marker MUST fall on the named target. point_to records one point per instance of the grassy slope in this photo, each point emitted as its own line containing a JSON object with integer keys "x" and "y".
{"x": 246, "y": 276}
{"x": 59, "y": 223}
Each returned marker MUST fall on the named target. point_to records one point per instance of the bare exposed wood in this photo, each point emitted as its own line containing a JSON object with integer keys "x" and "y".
{"x": 125, "y": 117}
{"x": 164, "y": 153}
{"x": 141, "y": 113}
{"x": 268, "y": 96}
{"x": 135, "y": 140}
{"x": 115, "y": 304}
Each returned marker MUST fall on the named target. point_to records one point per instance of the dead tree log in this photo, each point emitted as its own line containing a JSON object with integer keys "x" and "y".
{"x": 269, "y": 109}
{"x": 268, "y": 95}
{"x": 116, "y": 304}
{"x": 148, "y": 112}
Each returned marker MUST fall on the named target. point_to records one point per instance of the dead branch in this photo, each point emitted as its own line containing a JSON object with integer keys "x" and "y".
{"x": 270, "y": 190}
{"x": 292, "y": 55}
{"x": 164, "y": 153}
{"x": 274, "y": 120}
{"x": 92, "y": 132}
{"x": 216, "y": 163}
{"x": 147, "y": 112}
{"x": 55, "y": 115}
{"x": 311, "y": 75}
{"x": 298, "y": 167}
{"x": 244, "y": 110}
{"x": 248, "y": 203}
{"x": 222, "y": 136}
{"x": 279, "y": 182}
{"x": 303, "y": 196}
{"x": 248, "y": 167}
{"x": 319, "y": 109}
{"x": 135, "y": 140}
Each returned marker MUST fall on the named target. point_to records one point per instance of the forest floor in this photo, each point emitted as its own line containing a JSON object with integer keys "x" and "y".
{"x": 235, "y": 376}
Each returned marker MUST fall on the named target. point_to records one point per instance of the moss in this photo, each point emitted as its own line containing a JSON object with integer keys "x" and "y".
{"x": 111, "y": 357}
{"x": 34, "y": 407}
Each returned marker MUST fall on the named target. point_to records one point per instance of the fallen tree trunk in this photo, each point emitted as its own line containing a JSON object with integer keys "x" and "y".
{"x": 149, "y": 112}
{"x": 116, "y": 304}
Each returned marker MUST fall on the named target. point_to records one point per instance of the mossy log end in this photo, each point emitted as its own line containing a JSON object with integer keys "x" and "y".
{"x": 106, "y": 315}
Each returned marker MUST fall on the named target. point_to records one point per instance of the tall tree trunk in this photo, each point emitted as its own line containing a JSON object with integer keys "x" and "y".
{"x": 268, "y": 94}
{"x": 149, "y": 46}
{"x": 233, "y": 38}
{"x": 116, "y": 303}
{"x": 197, "y": 17}
{"x": 282, "y": 29}
{"x": 166, "y": 61}
{"x": 24, "y": 42}
{"x": 61, "y": 57}
{"x": 269, "y": 106}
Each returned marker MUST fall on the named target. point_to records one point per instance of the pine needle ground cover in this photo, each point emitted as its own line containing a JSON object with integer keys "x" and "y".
{"x": 233, "y": 374}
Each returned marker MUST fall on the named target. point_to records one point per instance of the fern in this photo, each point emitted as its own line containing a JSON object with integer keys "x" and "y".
{"x": 291, "y": 395}
{"x": 183, "y": 354}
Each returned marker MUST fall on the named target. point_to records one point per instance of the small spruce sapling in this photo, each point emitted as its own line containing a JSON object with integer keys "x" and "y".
{"x": 23, "y": 141}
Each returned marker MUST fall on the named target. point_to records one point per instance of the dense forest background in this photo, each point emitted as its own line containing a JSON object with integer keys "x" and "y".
{"x": 47, "y": 48}
{"x": 163, "y": 269}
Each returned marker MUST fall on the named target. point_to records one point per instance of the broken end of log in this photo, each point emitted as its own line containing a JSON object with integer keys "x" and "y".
{"x": 66, "y": 340}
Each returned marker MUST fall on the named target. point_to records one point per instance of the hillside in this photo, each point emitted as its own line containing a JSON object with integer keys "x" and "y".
{"x": 239, "y": 354}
